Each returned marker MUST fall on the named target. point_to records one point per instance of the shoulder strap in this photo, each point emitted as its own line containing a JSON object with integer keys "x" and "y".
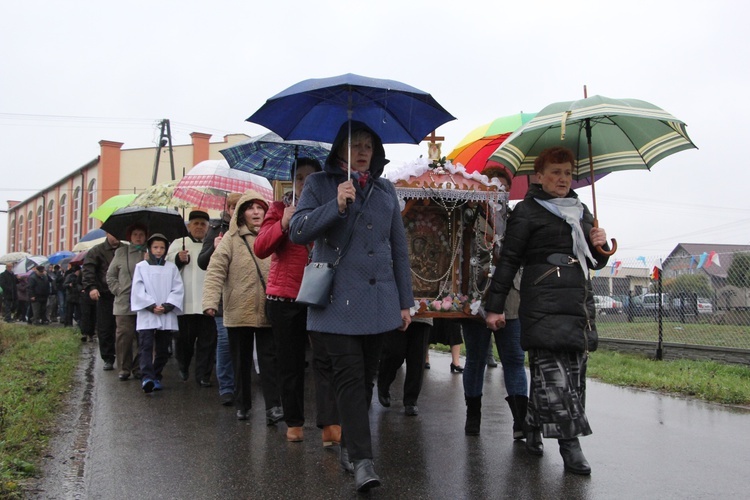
{"x": 257, "y": 267}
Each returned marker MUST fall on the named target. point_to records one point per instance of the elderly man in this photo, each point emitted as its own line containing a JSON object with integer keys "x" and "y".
{"x": 197, "y": 334}
{"x": 39, "y": 290}
{"x": 95, "y": 267}
{"x": 8, "y": 284}
{"x": 119, "y": 281}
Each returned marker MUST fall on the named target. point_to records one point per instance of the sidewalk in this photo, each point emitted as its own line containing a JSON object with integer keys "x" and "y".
{"x": 181, "y": 443}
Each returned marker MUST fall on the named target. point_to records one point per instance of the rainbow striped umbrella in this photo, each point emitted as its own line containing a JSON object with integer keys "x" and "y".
{"x": 475, "y": 149}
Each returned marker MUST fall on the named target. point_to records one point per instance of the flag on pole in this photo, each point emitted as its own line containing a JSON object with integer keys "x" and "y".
{"x": 713, "y": 258}
{"x": 655, "y": 273}
{"x": 702, "y": 260}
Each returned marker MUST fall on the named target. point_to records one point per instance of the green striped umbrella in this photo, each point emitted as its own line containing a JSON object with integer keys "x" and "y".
{"x": 604, "y": 134}
{"x": 625, "y": 134}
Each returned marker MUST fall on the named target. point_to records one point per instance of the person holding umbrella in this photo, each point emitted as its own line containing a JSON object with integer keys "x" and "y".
{"x": 8, "y": 284}
{"x": 289, "y": 318}
{"x": 552, "y": 234}
{"x": 372, "y": 290}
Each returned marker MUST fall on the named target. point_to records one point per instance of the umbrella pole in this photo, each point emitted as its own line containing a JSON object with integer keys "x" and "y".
{"x": 294, "y": 176}
{"x": 183, "y": 211}
{"x": 593, "y": 190}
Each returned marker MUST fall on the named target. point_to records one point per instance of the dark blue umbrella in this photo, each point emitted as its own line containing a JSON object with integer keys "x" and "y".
{"x": 270, "y": 156}
{"x": 94, "y": 234}
{"x": 56, "y": 257}
{"x": 315, "y": 109}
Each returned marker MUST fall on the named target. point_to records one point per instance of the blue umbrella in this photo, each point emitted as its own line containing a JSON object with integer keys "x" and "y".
{"x": 56, "y": 257}
{"x": 270, "y": 156}
{"x": 315, "y": 109}
{"x": 94, "y": 234}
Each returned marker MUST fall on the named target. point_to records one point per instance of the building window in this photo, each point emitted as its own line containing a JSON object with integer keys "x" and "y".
{"x": 39, "y": 230}
{"x": 21, "y": 227}
{"x": 13, "y": 242}
{"x": 29, "y": 231}
{"x": 51, "y": 227}
{"x": 91, "y": 204}
{"x": 76, "y": 215}
{"x": 63, "y": 221}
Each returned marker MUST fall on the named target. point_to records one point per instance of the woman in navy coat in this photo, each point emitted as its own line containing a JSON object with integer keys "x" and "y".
{"x": 372, "y": 291}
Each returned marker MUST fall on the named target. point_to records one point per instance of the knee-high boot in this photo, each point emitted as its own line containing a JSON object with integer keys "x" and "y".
{"x": 518, "y": 405}
{"x": 473, "y": 415}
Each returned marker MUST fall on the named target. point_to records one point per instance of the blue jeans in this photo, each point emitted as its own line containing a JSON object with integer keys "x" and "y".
{"x": 477, "y": 342}
{"x": 224, "y": 370}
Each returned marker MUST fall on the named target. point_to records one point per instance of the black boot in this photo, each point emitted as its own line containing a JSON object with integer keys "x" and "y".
{"x": 473, "y": 416}
{"x": 534, "y": 443}
{"x": 346, "y": 464}
{"x": 573, "y": 458}
{"x": 364, "y": 475}
{"x": 518, "y": 405}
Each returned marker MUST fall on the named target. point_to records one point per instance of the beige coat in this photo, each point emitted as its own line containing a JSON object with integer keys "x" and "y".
{"x": 120, "y": 277}
{"x": 232, "y": 275}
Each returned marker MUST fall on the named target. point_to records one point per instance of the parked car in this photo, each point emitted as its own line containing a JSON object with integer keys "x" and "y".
{"x": 705, "y": 306}
{"x": 607, "y": 305}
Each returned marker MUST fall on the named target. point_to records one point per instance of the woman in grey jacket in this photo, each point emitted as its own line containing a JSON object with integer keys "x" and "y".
{"x": 372, "y": 290}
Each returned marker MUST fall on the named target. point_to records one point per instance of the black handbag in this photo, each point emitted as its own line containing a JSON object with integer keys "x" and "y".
{"x": 317, "y": 279}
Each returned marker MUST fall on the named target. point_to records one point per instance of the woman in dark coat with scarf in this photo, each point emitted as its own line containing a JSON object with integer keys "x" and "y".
{"x": 372, "y": 290}
{"x": 551, "y": 234}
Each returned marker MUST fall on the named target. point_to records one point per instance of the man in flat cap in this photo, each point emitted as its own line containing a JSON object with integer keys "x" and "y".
{"x": 197, "y": 334}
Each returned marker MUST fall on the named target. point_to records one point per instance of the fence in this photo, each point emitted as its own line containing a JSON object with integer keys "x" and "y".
{"x": 687, "y": 303}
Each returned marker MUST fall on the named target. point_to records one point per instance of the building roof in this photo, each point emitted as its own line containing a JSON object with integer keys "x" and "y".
{"x": 687, "y": 256}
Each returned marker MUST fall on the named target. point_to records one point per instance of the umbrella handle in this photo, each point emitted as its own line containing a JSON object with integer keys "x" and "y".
{"x": 602, "y": 251}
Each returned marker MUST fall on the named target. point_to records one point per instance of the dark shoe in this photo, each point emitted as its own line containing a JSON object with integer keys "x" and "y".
{"x": 534, "y": 444}
{"x": 364, "y": 475}
{"x": 157, "y": 385}
{"x": 204, "y": 383}
{"x": 344, "y": 460}
{"x": 411, "y": 410}
{"x": 123, "y": 376}
{"x": 427, "y": 366}
{"x": 573, "y": 458}
{"x": 274, "y": 415}
{"x": 491, "y": 360}
{"x": 242, "y": 414}
{"x": 184, "y": 375}
{"x": 473, "y": 416}
{"x": 84, "y": 338}
{"x": 384, "y": 397}
{"x": 226, "y": 399}
{"x": 456, "y": 368}
{"x": 518, "y": 405}
{"x": 108, "y": 365}
{"x": 148, "y": 386}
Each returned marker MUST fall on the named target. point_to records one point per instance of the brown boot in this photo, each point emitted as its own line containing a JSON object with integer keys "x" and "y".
{"x": 331, "y": 435}
{"x": 294, "y": 434}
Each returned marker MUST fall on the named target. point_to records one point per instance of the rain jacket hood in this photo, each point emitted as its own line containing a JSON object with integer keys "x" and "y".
{"x": 379, "y": 161}
{"x": 249, "y": 195}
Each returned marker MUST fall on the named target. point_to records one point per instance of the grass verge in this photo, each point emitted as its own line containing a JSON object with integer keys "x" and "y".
{"x": 707, "y": 380}
{"x": 36, "y": 371}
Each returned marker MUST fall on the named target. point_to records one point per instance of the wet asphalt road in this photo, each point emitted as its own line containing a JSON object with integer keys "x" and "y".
{"x": 180, "y": 444}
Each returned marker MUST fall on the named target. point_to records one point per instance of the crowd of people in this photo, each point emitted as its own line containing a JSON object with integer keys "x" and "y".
{"x": 232, "y": 285}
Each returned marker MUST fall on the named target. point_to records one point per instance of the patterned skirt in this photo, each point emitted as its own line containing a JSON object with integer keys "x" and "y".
{"x": 557, "y": 397}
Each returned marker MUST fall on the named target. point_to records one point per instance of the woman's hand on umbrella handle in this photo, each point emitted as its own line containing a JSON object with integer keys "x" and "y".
{"x": 599, "y": 239}
{"x": 346, "y": 194}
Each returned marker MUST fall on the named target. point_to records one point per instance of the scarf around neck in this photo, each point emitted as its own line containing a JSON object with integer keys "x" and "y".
{"x": 571, "y": 211}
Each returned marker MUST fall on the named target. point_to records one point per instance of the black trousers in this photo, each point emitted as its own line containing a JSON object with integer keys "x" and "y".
{"x": 72, "y": 312}
{"x": 8, "y": 308}
{"x": 241, "y": 349}
{"x": 39, "y": 306}
{"x": 88, "y": 316}
{"x": 410, "y": 346}
{"x": 197, "y": 336}
{"x": 106, "y": 327}
{"x": 354, "y": 359}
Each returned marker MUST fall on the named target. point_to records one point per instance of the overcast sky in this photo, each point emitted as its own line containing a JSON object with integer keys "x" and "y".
{"x": 74, "y": 73}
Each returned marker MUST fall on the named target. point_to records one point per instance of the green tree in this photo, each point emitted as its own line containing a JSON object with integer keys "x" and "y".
{"x": 694, "y": 283}
{"x": 738, "y": 273}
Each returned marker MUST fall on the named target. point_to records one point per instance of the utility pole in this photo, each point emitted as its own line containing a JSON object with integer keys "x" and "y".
{"x": 165, "y": 139}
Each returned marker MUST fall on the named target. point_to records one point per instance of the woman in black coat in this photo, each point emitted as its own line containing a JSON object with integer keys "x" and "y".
{"x": 550, "y": 233}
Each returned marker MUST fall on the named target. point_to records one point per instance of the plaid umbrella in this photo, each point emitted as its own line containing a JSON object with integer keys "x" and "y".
{"x": 207, "y": 184}
{"x": 269, "y": 156}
